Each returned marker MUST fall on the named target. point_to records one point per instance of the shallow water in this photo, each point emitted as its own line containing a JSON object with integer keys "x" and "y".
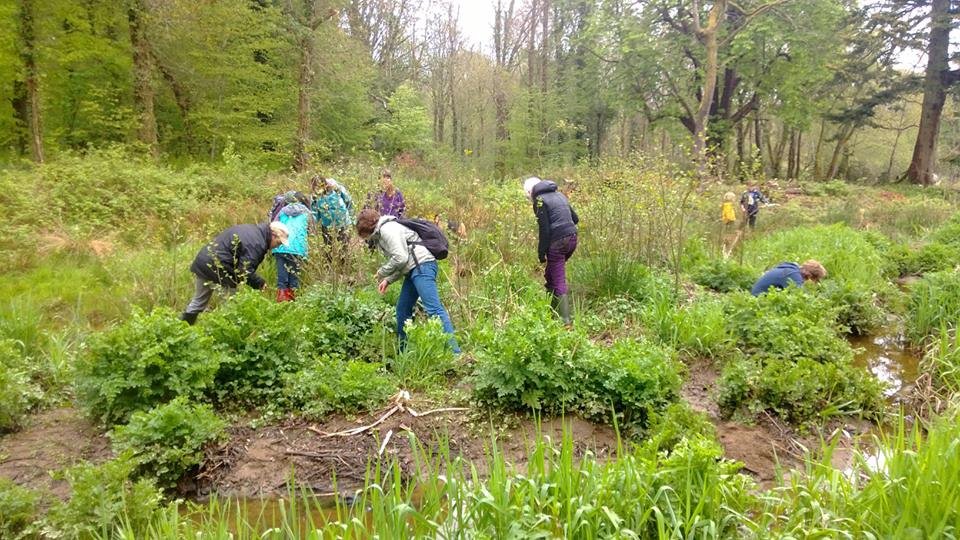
{"x": 889, "y": 359}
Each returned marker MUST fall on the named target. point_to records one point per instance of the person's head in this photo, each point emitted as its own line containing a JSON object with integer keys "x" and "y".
{"x": 729, "y": 196}
{"x": 386, "y": 180}
{"x": 367, "y": 222}
{"x": 529, "y": 184}
{"x": 812, "y": 271}
{"x": 320, "y": 184}
{"x": 279, "y": 234}
{"x": 301, "y": 197}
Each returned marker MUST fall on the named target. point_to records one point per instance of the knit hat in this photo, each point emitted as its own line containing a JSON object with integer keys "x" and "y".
{"x": 529, "y": 184}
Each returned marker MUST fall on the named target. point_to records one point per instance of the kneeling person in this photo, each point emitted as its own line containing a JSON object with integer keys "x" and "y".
{"x": 407, "y": 259}
{"x": 782, "y": 275}
{"x": 232, "y": 257}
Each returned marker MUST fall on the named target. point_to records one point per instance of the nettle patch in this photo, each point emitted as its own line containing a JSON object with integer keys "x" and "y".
{"x": 795, "y": 363}
{"x": 534, "y": 363}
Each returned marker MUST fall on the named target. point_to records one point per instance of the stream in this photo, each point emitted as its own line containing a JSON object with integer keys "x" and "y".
{"x": 889, "y": 359}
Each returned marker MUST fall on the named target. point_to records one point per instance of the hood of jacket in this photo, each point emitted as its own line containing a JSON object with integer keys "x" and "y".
{"x": 787, "y": 266}
{"x": 295, "y": 209}
{"x": 545, "y": 186}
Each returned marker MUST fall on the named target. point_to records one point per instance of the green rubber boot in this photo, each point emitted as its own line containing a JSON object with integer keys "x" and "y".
{"x": 563, "y": 308}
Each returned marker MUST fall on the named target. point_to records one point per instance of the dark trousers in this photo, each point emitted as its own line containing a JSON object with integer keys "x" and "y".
{"x": 288, "y": 270}
{"x": 555, "y": 273}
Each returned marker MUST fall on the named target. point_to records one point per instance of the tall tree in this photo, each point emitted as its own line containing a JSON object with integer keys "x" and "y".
{"x": 144, "y": 93}
{"x": 29, "y": 108}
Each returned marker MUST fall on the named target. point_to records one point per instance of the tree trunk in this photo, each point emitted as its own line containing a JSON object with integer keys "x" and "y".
{"x": 30, "y": 109}
{"x": 923, "y": 164}
{"x": 843, "y": 136}
{"x": 301, "y": 159}
{"x": 143, "y": 91}
{"x": 711, "y": 66}
{"x": 816, "y": 153}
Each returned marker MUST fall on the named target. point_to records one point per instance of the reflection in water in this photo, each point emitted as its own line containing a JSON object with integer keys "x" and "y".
{"x": 890, "y": 361}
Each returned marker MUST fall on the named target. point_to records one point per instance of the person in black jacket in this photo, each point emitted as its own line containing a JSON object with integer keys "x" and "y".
{"x": 557, "y": 222}
{"x": 231, "y": 258}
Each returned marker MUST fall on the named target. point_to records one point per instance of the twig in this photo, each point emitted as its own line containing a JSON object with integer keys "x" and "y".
{"x": 433, "y": 411}
{"x": 386, "y": 440}
{"x": 357, "y": 431}
{"x": 310, "y": 454}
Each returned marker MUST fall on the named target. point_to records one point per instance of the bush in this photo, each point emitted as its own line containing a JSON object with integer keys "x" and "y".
{"x": 426, "y": 358}
{"x": 724, "y": 276}
{"x": 934, "y": 305}
{"x": 333, "y": 385}
{"x": 146, "y": 361}
{"x": 168, "y": 440}
{"x": 677, "y": 422}
{"x": 698, "y": 328}
{"x": 102, "y": 498}
{"x": 338, "y": 323}
{"x": 928, "y": 258}
{"x": 857, "y": 307}
{"x": 610, "y": 275}
{"x": 18, "y": 510}
{"x": 844, "y": 252}
{"x": 260, "y": 341}
{"x": 18, "y": 393}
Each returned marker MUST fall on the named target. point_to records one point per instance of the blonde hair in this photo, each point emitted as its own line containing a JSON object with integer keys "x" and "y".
{"x": 813, "y": 270}
{"x": 729, "y": 196}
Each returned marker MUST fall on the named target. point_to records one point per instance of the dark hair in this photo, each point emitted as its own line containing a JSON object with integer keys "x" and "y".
{"x": 367, "y": 221}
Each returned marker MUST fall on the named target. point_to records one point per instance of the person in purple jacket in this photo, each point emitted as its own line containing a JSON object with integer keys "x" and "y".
{"x": 557, "y": 239}
{"x": 388, "y": 201}
{"x": 787, "y": 273}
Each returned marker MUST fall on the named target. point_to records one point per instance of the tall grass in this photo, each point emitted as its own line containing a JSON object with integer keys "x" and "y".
{"x": 934, "y": 304}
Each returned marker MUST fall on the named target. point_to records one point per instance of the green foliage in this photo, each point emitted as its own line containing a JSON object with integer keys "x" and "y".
{"x": 260, "y": 342}
{"x": 408, "y": 127}
{"x": 535, "y": 363}
{"x": 144, "y": 362}
{"x": 331, "y": 384}
{"x": 168, "y": 440}
{"x": 698, "y": 327}
{"x": 844, "y": 252}
{"x": 18, "y": 393}
{"x": 339, "y": 323}
{"x": 933, "y": 257}
{"x": 102, "y": 498}
{"x": 18, "y": 510}
{"x": 934, "y": 304}
{"x": 426, "y": 358}
{"x": 724, "y": 276}
{"x": 943, "y": 360}
{"x": 857, "y": 307}
{"x": 610, "y": 275}
{"x": 676, "y": 423}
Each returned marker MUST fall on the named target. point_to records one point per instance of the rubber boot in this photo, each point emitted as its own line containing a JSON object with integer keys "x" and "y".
{"x": 190, "y": 318}
{"x": 291, "y": 295}
{"x": 563, "y": 308}
{"x": 281, "y": 295}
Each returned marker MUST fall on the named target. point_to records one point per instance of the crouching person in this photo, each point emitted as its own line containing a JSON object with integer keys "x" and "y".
{"x": 789, "y": 273}
{"x": 407, "y": 258}
{"x": 297, "y": 218}
{"x": 231, "y": 258}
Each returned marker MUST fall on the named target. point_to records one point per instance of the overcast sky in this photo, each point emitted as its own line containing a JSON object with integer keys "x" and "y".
{"x": 476, "y": 22}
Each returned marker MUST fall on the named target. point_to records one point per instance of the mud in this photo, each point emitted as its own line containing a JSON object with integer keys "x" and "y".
{"x": 52, "y": 440}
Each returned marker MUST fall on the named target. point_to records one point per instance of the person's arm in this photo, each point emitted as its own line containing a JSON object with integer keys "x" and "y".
{"x": 401, "y": 204}
{"x": 247, "y": 264}
{"x": 543, "y": 224}
{"x": 394, "y": 243}
{"x": 347, "y": 199}
{"x": 573, "y": 214}
{"x": 763, "y": 198}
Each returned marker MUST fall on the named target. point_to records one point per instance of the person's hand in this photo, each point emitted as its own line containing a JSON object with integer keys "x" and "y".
{"x": 382, "y": 287}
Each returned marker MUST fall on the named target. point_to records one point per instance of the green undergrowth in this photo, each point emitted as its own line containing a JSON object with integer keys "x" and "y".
{"x": 934, "y": 305}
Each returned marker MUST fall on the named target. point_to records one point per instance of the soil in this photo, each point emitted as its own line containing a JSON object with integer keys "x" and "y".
{"x": 51, "y": 441}
{"x": 258, "y": 462}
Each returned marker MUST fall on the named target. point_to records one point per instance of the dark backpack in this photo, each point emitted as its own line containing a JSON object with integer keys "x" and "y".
{"x": 431, "y": 237}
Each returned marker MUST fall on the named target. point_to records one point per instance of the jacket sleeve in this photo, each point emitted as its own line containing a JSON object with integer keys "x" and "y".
{"x": 401, "y": 205}
{"x": 543, "y": 224}
{"x": 573, "y": 214}
{"x": 393, "y": 242}
{"x": 247, "y": 266}
{"x": 347, "y": 199}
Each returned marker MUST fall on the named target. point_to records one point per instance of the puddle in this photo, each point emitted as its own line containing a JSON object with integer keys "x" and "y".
{"x": 889, "y": 359}
{"x": 259, "y": 514}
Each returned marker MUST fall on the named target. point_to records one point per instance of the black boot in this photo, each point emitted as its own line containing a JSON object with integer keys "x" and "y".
{"x": 563, "y": 308}
{"x": 189, "y": 317}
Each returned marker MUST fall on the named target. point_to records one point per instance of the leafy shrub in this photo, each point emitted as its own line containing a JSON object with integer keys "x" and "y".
{"x": 18, "y": 510}
{"x": 426, "y": 358}
{"x": 798, "y": 391}
{"x": 102, "y": 498}
{"x": 788, "y": 324}
{"x": 934, "y": 304}
{"x": 146, "y": 361}
{"x": 341, "y": 323}
{"x": 260, "y": 341}
{"x": 168, "y": 440}
{"x": 333, "y": 385}
{"x": 844, "y": 252}
{"x": 611, "y": 275}
{"x": 949, "y": 233}
{"x": 857, "y": 307}
{"x": 18, "y": 393}
{"x": 724, "y": 276}
{"x": 928, "y": 258}
{"x": 699, "y": 327}
{"x": 632, "y": 378}
{"x": 534, "y": 363}
{"x": 679, "y": 421}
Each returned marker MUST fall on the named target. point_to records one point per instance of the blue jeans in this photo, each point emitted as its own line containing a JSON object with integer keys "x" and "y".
{"x": 288, "y": 270}
{"x": 421, "y": 283}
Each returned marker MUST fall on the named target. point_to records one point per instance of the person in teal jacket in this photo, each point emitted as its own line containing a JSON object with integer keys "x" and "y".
{"x": 298, "y": 219}
{"x": 333, "y": 210}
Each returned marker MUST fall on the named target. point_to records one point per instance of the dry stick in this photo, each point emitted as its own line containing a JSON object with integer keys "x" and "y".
{"x": 357, "y": 431}
{"x": 386, "y": 440}
{"x": 433, "y": 411}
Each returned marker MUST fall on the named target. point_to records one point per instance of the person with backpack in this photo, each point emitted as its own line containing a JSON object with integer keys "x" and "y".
{"x": 750, "y": 204}
{"x": 787, "y": 273}
{"x": 557, "y": 224}
{"x": 230, "y": 259}
{"x": 296, "y": 216}
{"x": 389, "y": 201}
{"x": 333, "y": 209}
{"x": 412, "y": 248}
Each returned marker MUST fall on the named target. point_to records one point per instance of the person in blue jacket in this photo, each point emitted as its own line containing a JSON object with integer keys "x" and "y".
{"x": 787, "y": 273}
{"x": 297, "y": 218}
{"x": 332, "y": 208}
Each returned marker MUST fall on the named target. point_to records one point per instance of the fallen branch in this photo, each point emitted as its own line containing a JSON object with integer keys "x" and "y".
{"x": 359, "y": 430}
{"x": 386, "y": 440}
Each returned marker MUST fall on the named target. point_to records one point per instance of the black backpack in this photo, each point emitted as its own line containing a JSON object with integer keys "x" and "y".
{"x": 431, "y": 237}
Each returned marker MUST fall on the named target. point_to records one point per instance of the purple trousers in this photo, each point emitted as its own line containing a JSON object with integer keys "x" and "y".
{"x": 556, "y": 272}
